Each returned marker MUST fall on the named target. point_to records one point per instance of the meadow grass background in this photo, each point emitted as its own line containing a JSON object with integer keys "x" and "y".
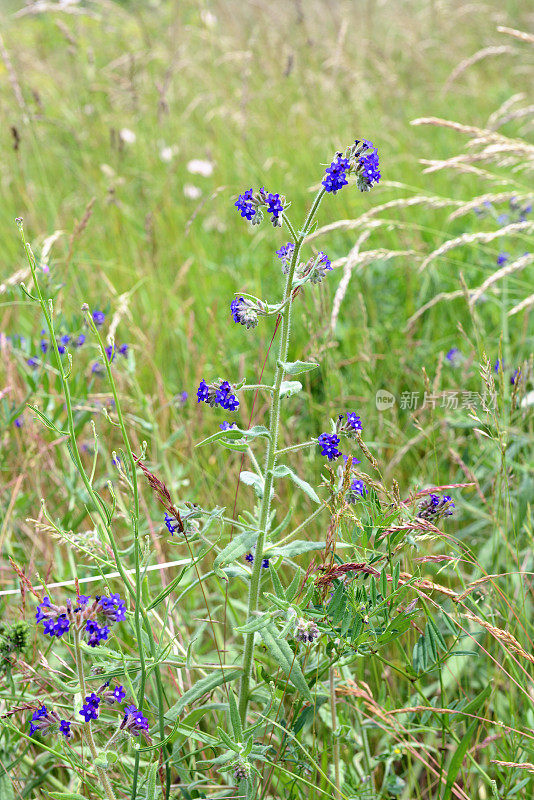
{"x": 267, "y": 93}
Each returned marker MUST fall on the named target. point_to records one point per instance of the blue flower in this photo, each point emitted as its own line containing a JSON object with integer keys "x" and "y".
{"x": 245, "y": 204}
{"x": 172, "y": 525}
{"x": 435, "y": 507}
{"x": 285, "y": 254}
{"x": 274, "y": 206}
{"x": 113, "y": 607}
{"x": 64, "y": 728}
{"x": 110, "y": 352}
{"x": 227, "y": 426}
{"x": 56, "y": 626}
{"x": 123, "y": 349}
{"x": 116, "y": 695}
{"x": 454, "y": 356}
{"x": 516, "y": 377}
{"x": 217, "y": 395}
{"x": 353, "y": 421}
{"x": 328, "y": 443}
{"x": 19, "y": 422}
{"x": 244, "y": 312}
{"x": 32, "y": 362}
{"x": 98, "y": 317}
{"x": 89, "y": 710}
{"x": 358, "y": 487}
{"x": 265, "y": 563}
{"x": 336, "y": 174}
{"x": 368, "y": 172}
{"x": 318, "y": 267}
{"x": 203, "y": 392}
{"x": 65, "y": 339}
{"x": 502, "y": 258}
{"x": 134, "y": 721}
{"x": 42, "y": 720}
{"x": 502, "y": 219}
{"x": 95, "y": 633}
{"x": 80, "y": 340}
{"x": 43, "y": 345}
{"x": 249, "y": 557}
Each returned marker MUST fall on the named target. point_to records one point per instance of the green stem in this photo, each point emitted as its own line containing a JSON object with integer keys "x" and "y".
{"x": 88, "y": 731}
{"x": 334, "y": 727}
{"x": 271, "y": 456}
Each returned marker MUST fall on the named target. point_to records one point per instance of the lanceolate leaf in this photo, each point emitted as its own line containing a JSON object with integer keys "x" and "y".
{"x": 240, "y": 544}
{"x": 297, "y": 367}
{"x": 294, "y": 548}
{"x": 237, "y": 433}
{"x": 288, "y": 388}
{"x": 286, "y": 659}
{"x": 283, "y": 471}
{"x": 201, "y": 688}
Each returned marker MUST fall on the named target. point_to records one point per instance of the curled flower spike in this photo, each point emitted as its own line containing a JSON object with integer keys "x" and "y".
{"x": 284, "y": 254}
{"x": 306, "y": 630}
{"x": 249, "y": 205}
{"x": 134, "y": 722}
{"x": 42, "y": 720}
{"x": 328, "y": 443}
{"x": 275, "y": 207}
{"x": 244, "y": 312}
{"x": 112, "y": 607}
{"x": 367, "y": 172}
{"x": 217, "y": 395}
{"x": 242, "y": 771}
{"x": 435, "y": 507}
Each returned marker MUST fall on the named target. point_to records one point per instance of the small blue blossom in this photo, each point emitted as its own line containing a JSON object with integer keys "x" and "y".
{"x": 98, "y": 318}
{"x": 42, "y": 720}
{"x": 368, "y": 173}
{"x": 336, "y": 174}
{"x": 435, "y": 507}
{"x": 172, "y": 525}
{"x": 43, "y": 345}
{"x": 227, "y": 426}
{"x": 110, "y": 352}
{"x": 245, "y": 204}
{"x": 19, "y": 422}
{"x": 353, "y": 421}
{"x": 217, "y": 395}
{"x": 502, "y": 258}
{"x": 32, "y": 362}
{"x": 249, "y": 557}
{"x": 89, "y": 710}
{"x": 265, "y": 563}
{"x": 203, "y": 392}
{"x": 65, "y": 339}
{"x": 318, "y": 267}
{"x": 328, "y": 443}
{"x": 95, "y": 633}
{"x": 80, "y": 340}
{"x": 116, "y": 695}
{"x": 244, "y": 312}
{"x": 112, "y": 607}
{"x": 134, "y": 721}
{"x": 285, "y": 254}
{"x": 97, "y": 368}
{"x": 516, "y": 377}
{"x": 502, "y": 219}
{"x": 61, "y": 349}
{"x": 64, "y": 728}
{"x": 123, "y": 350}
{"x": 358, "y": 487}
{"x": 454, "y": 356}
{"x": 274, "y": 207}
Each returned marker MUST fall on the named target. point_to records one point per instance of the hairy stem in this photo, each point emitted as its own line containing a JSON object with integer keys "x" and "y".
{"x": 271, "y": 455}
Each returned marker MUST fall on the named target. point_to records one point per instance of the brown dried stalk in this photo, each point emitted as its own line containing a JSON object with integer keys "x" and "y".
{"x": 505, "y": 637}
{"x": 162, "y": 493}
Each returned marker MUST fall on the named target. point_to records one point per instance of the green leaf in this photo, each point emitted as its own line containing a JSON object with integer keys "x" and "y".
{"x": 151, "y": 781}
{"x": 227, "y": 741}
{"x": 201, "y": 688}
{"x": 252, "y": 479}
{"x": 277, "y": 584}
{"x": 47, "y": 422}
{"x": 286, "y": 659}
{"x": 168, "y": 589}
{"x": 457, "y": 759}
{"x": 52, "y": 795}
{"x": 288, "y": 388}
{"x": 440, "y": 641}
{"x": 297, "y": 367}
{"x": 7, "y": 791}
{"x": 240, "y": 544}
{"x": 237, "y": 433}
{"x": 473, "y": 706}
{"x": 293, "y": 549}
{"x": 294, "y": 586}
{"x": 234, "y": 717}
{"x": 283, "y": 471}
{"x": 256, "y": 623}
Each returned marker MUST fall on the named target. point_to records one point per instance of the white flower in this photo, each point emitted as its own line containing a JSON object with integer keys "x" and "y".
{"x": 192, "y": 192}
{"x": 167, "y": 153}
{"x": 199, "y": 167}
{"x": 127, "y": 136}
{"x": 208, "y": 18}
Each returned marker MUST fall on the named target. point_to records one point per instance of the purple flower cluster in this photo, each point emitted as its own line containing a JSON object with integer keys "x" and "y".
{"x": 328, "y": 443}
{"x": 84, "y": 614}
{"x": 89, "y": 710}
{"x": 249, "y": 205}
{"x": 219, "y": 394}
{"x": 336, "y": 174}
{"x": 317, "y": 267}
{"x": 227, "y": 426}
{"x": 367, "y": 173}
{"x": 349, "y": 424}
{"x": 134, "y": 721}
{"x": 358, "y": 487}
{"x": 245, "y": 312}
{"x": 435, "y": 507}
{"x": 172, "y": 525}
{"x": 264, "y": 562}
{"x": 44, "y": 719}
{"x": 284, "y": 254}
